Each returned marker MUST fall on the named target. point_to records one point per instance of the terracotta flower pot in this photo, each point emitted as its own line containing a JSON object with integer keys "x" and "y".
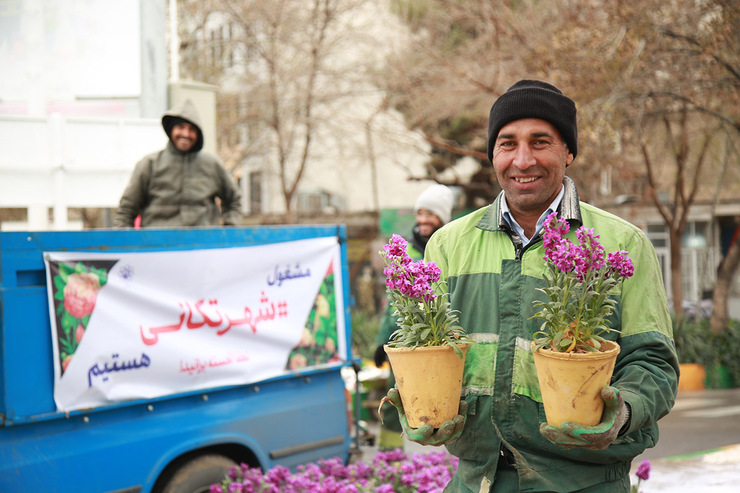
{"x": 571, "y": 383}
{"x": 693, "y": 376}
{"x": 429, "y": 380}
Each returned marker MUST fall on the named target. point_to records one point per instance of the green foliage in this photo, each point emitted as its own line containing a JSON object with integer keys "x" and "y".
{"x": 364, "y": 330}
{"x": 574, "y": 314}
{"x": 692, "y": 340}
{"x": 696, "y": 343}
{"x": 725, "y": 350}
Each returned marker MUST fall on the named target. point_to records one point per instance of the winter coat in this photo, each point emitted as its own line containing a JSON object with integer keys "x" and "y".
{"x": 171, "y": 188}
{"x": 493, "y": 282}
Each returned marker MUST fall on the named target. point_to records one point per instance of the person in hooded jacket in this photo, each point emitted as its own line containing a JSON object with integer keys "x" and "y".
{"x": 178, "y": 185}
{"x": 433, "y": 209}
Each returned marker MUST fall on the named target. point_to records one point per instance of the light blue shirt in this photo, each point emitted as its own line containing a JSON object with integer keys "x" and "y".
{"x": 540, "y": 222}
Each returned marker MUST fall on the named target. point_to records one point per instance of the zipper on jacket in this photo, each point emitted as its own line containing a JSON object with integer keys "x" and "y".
{"x": 516, "y": 240}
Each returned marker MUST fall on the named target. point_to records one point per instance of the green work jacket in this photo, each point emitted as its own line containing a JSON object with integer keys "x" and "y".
{"x": 493, "y": 282}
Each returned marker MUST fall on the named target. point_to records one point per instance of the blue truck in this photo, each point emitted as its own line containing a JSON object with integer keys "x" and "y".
{"x": 178, "y": 440}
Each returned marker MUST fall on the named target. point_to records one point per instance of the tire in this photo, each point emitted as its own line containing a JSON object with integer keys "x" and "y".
{"x": 197, "y": 475}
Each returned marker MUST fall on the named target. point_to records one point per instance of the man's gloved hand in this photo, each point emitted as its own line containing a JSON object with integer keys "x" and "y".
{"x": 426, "y": 434}
{"x": 379, "y": 356}
{"x": 573, "y": 435}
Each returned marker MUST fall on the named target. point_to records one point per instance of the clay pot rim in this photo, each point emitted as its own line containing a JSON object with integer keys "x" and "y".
{"x": 598, "y": 355}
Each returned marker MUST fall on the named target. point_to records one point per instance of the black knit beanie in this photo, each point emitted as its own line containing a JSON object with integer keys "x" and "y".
{"x": 534, "y": 99}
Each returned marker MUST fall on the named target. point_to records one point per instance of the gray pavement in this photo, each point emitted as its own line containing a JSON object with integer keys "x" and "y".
{"x": 698, "y": 450}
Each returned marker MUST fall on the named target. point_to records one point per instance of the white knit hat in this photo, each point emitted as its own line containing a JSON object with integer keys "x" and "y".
{"x": 438, "y": 199}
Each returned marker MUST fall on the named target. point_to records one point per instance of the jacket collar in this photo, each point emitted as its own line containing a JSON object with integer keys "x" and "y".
{"x": 569, "y": 209}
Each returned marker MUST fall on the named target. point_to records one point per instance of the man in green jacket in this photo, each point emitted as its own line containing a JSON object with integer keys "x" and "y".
{"x": 433, "y": 209}
{"x": 492, "y": 260}
{"x": 178, "y": 185}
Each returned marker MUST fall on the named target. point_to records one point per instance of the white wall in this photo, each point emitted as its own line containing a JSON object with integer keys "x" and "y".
{"x": 83, "y": 58}
{"x": 56, "y": 162}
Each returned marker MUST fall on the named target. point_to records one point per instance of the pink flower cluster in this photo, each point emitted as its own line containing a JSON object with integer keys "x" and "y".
{"x": 585, "y": 258}
{"x": 412, "y": 279}
{"x": 389, "y": 472}
{"x": 643, "y": 470}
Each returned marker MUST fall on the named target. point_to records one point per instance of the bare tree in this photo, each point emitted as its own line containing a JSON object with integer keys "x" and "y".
{"x": 653, "y": 64}
{"x": 463, "y": 55}
{"x": 674, "y": 144}
{"x": 691, "y": 61}
{"x": 725, "y": 273}
{"x": 273, "y": 60}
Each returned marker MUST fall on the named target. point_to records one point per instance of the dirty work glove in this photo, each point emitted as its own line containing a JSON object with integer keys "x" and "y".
{"x": 426, "y": 434}
{"x": 379, "y": 356}
{"x": 573, "y": 435}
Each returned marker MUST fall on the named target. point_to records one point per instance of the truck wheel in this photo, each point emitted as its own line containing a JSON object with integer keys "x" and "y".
{"x": 199, "y": 474}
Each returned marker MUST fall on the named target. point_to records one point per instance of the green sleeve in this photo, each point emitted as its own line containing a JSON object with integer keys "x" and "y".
{"x": 136, "y": 195}
{"x": 647, "y": 367}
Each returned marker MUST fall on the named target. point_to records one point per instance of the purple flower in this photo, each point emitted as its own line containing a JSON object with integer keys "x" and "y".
{"x": 235, "y": 488}
{"x": 620, "y": 264}
{"x": 411, "y": 279}
{"x": 389, "y": 472}
{"x": 590, "y": 254}
{"x": 554, "y": 230}
{"x": 576, "y": 271}
{"x": 396, "y": 248}
{"x": 416, "y": 292}
{"x": 643, "y": 470}
{"x": 562, "y": 255}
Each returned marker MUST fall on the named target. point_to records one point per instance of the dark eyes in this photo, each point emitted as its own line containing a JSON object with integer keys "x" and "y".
{"x": 537, "y": 144}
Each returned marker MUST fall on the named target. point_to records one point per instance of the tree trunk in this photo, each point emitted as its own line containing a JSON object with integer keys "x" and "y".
{"x": 721, "y": 296}
{"x": 676, "y": 280}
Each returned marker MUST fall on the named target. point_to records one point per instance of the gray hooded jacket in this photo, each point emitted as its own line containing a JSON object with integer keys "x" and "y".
{"x": 171, "y": 188}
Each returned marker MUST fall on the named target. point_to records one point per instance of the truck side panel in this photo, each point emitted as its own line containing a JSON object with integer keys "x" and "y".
{"x": 104, "y": 451}
{"x": 288, "y": 420}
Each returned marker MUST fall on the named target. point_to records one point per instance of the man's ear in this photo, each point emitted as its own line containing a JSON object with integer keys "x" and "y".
{"x": 569, "y": 159}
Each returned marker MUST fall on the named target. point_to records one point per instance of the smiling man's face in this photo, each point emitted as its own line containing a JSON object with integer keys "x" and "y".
{"x": 529, "y": 158}
{"x": 184, "y": 135}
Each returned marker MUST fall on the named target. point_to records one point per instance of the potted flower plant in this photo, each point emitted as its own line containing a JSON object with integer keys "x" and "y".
{"x": 427, "y": 351}
{"x": 579, "y": 279}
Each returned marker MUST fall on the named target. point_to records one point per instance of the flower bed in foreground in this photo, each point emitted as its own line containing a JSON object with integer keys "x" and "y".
{"x": 389, "y": 472}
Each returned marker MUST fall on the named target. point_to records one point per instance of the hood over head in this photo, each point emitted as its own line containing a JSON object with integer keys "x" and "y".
{"x": 186, "y": 111}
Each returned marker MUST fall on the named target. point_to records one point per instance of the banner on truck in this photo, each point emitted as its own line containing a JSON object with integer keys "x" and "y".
{"x": 143, "y": 325}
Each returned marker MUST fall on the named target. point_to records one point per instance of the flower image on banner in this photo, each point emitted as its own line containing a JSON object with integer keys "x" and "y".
{"x": 75, "y": 290}
{"x": 148, "y": 324}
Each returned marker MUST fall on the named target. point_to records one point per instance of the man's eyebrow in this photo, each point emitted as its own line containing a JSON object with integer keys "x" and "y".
{"x": 534, "y": 135}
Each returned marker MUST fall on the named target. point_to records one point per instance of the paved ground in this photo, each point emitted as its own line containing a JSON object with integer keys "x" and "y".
{"x": 698, "y": 451}
{"x": 713, "y": 472}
